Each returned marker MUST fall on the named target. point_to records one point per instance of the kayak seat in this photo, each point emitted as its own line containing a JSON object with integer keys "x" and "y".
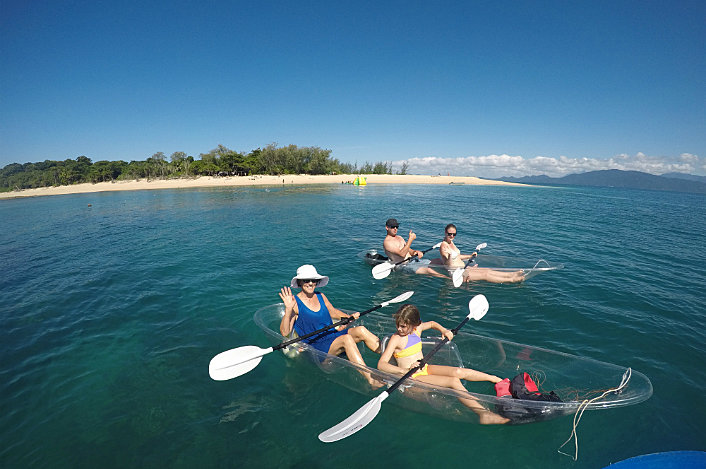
{"x": 383, "y": 345}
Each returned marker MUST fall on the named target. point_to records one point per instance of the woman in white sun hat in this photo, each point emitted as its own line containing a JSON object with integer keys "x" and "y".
{"x": 310, "y": 310}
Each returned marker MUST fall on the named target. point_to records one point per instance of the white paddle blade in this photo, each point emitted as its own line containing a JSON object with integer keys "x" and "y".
{"x": 403, "y": 297}
{"x": 481, "y": 246}
{"x": 477, "y": 307}
{"x": 381, "y": 271}
{"x": 457, "y": 277}
{"x": 235, "y": 362}
{"x": 355, "y": 422}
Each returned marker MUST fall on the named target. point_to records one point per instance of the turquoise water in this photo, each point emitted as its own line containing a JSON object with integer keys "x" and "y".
{"x": 111, "y": 312}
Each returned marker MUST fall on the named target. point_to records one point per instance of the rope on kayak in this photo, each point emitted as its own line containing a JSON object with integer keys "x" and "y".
{"x": 582, "y": 407}
{"x": 541, "y": 260}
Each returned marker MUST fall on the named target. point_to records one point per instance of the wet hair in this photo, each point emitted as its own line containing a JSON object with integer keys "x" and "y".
{"x": 407, "y": 315}
{"x": 450, "y": 225}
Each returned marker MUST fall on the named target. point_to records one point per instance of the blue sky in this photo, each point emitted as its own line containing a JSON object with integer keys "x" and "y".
{"x": 469, "y": 88}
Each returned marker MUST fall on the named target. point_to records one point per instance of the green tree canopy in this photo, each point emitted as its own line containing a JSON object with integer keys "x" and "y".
{"x": 271, "y": 159}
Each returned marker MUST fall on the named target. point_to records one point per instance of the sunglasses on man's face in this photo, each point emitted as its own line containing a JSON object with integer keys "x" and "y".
{"x": 394, "y": 227}
{"x": 309, "y": 280}
{"x": 450, "y": 234}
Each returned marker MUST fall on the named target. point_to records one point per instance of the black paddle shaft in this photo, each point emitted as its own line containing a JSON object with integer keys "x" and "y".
{"x": 342, "y": 322}
{"x": 413, "y": 257}
{"x": 471, "y": 261}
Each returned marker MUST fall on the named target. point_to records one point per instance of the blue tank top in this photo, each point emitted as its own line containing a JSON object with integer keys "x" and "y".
{"x": 310, "y": 321}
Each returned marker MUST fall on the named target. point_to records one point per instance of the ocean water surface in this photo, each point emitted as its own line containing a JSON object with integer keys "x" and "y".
{"x": 113, "y": 304}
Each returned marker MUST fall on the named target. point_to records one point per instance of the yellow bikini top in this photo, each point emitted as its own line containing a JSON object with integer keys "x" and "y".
{"x": 414, "y": 345}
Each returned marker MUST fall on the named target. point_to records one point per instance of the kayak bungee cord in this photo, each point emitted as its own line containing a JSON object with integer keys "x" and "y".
{"x": 541, "y": 260}
{"x": 582, "y": 408}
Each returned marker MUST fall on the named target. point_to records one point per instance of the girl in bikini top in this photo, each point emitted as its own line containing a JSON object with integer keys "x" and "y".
{"x": 410, "y": 327}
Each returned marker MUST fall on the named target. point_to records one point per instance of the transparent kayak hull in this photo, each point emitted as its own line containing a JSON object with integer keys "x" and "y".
{"x": 575, "y": 379}
{"x": 530, "y": 267}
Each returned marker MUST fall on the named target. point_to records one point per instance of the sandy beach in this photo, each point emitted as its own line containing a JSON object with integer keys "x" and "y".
{"x": 210, "y": 181}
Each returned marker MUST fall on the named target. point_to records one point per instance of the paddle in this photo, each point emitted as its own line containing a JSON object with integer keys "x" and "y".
{"x": 381, "y": 271}
{"x": 478, "y": 306}
{"x": 238, "y": 361}
{"x": 457, "y": 276}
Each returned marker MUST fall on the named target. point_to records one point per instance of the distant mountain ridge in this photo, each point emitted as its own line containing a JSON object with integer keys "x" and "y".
{"x": 677, "y": 182}
{"x": 688, "y": 177}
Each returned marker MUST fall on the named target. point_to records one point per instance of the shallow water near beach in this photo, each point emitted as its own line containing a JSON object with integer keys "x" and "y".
{"x": 113, "y": 304}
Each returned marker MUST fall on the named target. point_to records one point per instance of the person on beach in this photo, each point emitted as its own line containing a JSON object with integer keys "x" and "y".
{"x": 406, "y": 347}
{"x": 310, "y": 310}
{"x": 398, "y": 250}
{"x": 453, "y": 260}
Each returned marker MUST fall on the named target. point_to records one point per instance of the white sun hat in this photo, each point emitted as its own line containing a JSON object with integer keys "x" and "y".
{"x": 306, "y": 272}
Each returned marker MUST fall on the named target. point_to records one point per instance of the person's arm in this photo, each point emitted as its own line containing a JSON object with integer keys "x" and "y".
{"x": 435, "y": 325}
{"x": 445, "y": 252}
{"x": 392, "y": 247}
{"x": 468, "y": 256}
{"x": 290, "y": 311}
{"x": 336, "y": 313}
{"x": 384, "y": 362}
{"x": 408, "y": 245}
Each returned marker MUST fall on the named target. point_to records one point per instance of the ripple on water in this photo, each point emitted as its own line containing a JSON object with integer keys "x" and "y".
{"x": 110, "y": 316}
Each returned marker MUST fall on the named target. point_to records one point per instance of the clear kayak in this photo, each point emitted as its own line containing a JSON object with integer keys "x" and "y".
{"x": 529, "y": 267}
{"x": 574, "y": 379}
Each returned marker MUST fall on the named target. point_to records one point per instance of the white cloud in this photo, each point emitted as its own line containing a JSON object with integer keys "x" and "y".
{"x": 506, "y": 165}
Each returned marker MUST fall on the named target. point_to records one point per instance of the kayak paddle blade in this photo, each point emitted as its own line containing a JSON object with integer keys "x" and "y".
{"x": 381, "y": 271}
{"x": 403, "y": 297}
{"x": 477, "y": 307}
{"x": 457, "y": 277}
{"x": 235, "y": 362}
{"x": 355, "y": 422}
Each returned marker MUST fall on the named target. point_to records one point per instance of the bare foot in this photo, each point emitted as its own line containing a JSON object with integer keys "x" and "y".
{"x": 489, "y": 418}
{"x": 375, "y": 384}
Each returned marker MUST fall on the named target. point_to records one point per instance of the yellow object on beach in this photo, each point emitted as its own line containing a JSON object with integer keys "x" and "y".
{"x": 360, "y": 181}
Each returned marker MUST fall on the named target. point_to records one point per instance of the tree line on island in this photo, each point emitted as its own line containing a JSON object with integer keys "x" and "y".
{"x": 221, "y": 161}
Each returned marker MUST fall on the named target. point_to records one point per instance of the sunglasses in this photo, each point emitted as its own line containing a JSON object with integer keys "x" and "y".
{"x": 394, "y": 227}
{"x": 309, "y": 280}
{"x": 450, "y": 234}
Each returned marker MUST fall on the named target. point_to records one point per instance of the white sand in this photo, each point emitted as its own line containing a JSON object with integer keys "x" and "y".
{"x": 208, "y": 181}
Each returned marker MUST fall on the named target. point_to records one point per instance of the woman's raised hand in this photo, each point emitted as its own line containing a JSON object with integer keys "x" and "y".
{"x": 287, "y": 298}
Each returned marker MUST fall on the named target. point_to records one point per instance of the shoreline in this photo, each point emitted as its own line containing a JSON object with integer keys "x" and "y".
{"x": 232, "y": 181}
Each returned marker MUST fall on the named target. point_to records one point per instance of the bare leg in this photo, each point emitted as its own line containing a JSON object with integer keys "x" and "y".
{"x": 493, "y": 276}
{"x": 430, "y": 271}
{"x": 467, "y": 374}
{"x": 361, "y": 333}
{"x": 485, "y": 416}
{"x": 346, "y": 343}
